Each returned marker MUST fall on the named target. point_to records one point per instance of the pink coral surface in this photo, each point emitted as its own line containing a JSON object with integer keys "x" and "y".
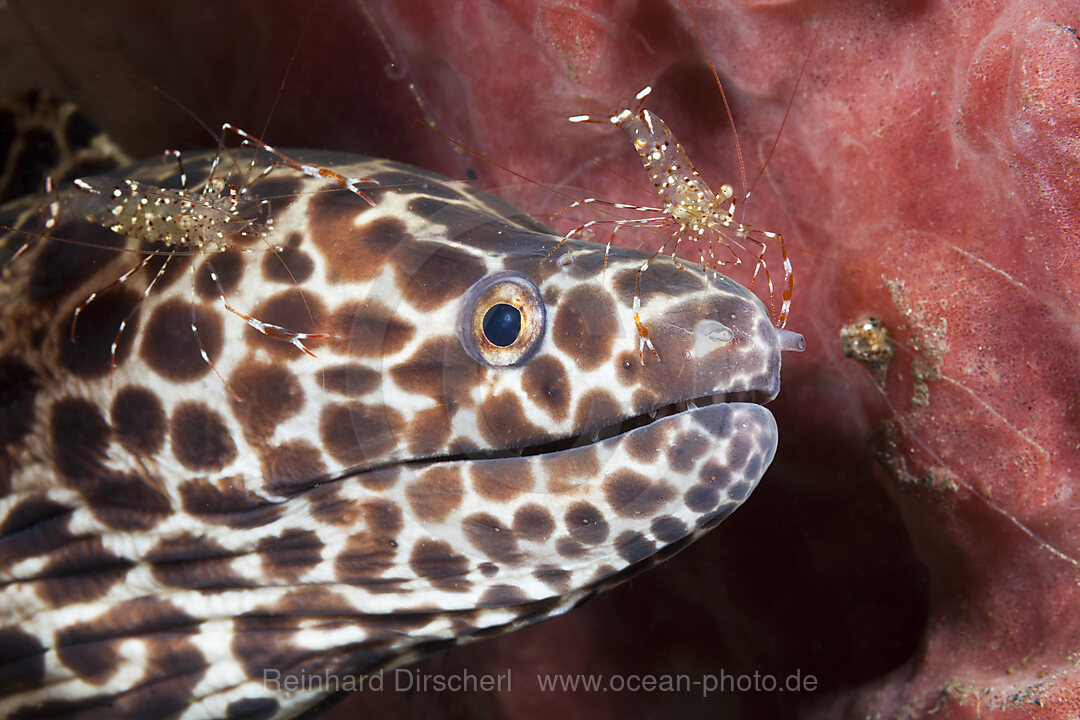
{"x": 916, "y": 545}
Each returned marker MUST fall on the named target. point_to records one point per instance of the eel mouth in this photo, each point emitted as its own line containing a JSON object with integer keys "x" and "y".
{"x": 711, "y": 411}
{"x": 620, "y": 427}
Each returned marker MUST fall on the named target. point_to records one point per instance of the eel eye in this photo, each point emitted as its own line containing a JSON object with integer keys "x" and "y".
{"x": 502, "y": 324}
{"x": 502, "y": 320}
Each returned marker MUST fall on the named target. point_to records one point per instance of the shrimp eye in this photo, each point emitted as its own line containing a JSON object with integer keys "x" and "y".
{"x": 502, "y": 320}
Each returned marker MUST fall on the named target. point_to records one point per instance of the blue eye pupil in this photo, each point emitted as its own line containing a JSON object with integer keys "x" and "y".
{"x": 502, "y": 324}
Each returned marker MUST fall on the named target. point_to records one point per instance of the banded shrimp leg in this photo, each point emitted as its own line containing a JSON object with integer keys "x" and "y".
{"x": 352, "y": 184}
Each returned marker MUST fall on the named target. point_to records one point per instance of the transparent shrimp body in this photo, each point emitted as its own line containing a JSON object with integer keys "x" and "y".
{"x": 689, "y": 201}
{"x": 687, "y": 197}
{"x": 172, "y": 217}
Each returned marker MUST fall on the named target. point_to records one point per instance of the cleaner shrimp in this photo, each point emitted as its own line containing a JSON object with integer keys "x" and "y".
{"x": 213, "y": 218}
{"x": 689, "y": 205}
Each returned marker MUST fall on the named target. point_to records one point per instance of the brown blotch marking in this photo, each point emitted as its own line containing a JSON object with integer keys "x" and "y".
{"x": 668, "y": 529}
{"x": 281, "y": 190}
{"x": 126, "y": 501}
{"x": 351, "y": 252}
{"x": 586, "y": 524}
{"x": 628, "y": 369}
{"x": 644, "y": 400}
{"x": 383, "y": 518}
{"x": 643, "y": 445}
{"x": 293, "y": 310}
{"x": 490, "y": 536}
{"x": 501, "y": 481}
{"x": 169, "y": 346}
{"x": 437, "y": 562}
{"x": 566, "y": 470}
{"x": 533, "y": 522}
{"x": 89, "y": 355}
{"x": 568, "y": 547}
{"x": 754, "y": 466}
{"x": 381, "y": 479}
{"x": 501, "y": 596}
{"x": 62, "y": 266}
{"x": 227, "y": 504}
{"x": 80, "y": 439}
{"x": 329, "y": 507}
{"x": 431, "y": 274}
{"x": 554, "y": 577}
{"x": 261, "y": 643}
{"x": 488, "y": 569}
{"x": 200, "y": 439}
{"x": 252, "y": 709}
{"x": 631, "y": 494}
{"x": 265, "y": 395}
{"x": 194, "y": 563}
{"x": 740, "y": 491}
{"x": 625, "y": 282}
{"x": 290, "y": 265}
{"x": 597, "y": 408}
{"x": 702, "y": 498}
{"x": 441, "y": 370}
{"x": 686, "y": 451}
{"x": 741, "y": 449}
{"x": 34, "y": 526}
{"x": 356, "y": 434}
{"x": 229, "y": 268}
{"x": 546, "y": 384}
{"x": 503, "y": 424}
{"x": 633, "y": 546}
{"x": 716, "y": 475}
{"x": 316, "y": 601}
{"x": 602, "y": 573}
{"x": 138, "y": 420}
{"x": 435, "y": 494}
{"x": 179, "y": 265}
{"x": 368, "y": 329}
{"x": 352, "y": 379}
{"x": 662, "y": 276}
{"x": 290, "y": 554}
{"x": 90, "y": 649}
{"x": 585, "y": 326}
{"x": 366, "y": 557}
{"x": 18, "y": 388}
{"x": 429, "y": 431}
{"x": 23, "y": 658}
{"x": 178, "y": 660}
{"x": 80, "y": 571}
{"x": 291, "y": 466}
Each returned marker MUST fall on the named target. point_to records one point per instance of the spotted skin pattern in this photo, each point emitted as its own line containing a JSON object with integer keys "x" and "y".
{"x": 166, "y": 544}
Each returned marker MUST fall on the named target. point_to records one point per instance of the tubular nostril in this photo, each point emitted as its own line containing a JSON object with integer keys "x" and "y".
{"x": 789, "y": 340}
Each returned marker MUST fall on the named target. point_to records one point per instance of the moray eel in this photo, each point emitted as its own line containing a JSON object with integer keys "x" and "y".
{"x": 188, "y": 516}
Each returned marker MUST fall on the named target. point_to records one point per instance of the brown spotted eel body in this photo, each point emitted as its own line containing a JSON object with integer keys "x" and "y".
{"x": 475, "y": 445}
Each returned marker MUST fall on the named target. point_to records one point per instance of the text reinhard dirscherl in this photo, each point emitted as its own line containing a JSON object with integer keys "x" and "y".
{"x": 415, "y": 680}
